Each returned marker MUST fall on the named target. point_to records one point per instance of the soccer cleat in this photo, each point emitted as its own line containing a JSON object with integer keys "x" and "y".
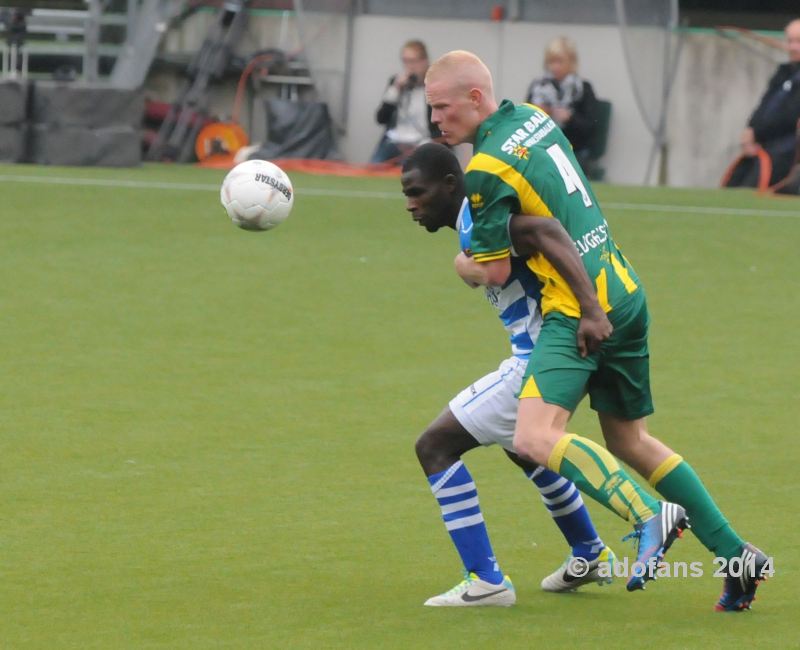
{"x": 739, "y": 591}
{"x": 577, "y": 571}
{"x": 654, "y": 538}
{"x": 474, "y": 592}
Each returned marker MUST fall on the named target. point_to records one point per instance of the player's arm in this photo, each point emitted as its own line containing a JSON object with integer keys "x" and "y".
{"x": 475, "y": 274}
{"x": 491, "y": 200}
{"x": 521, "y": 238}
{"x": 547, "y": 235}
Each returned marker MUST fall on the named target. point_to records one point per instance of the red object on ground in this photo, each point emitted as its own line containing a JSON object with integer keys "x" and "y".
{"x": 319, "y": 167}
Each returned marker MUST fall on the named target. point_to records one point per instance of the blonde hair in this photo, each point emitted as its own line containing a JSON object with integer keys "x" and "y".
{"x": 464, "y": 68}
{"x": 563, "y": 48}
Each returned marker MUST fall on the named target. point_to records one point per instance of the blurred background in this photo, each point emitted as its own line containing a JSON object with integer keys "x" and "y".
{"x": 115, "y": 82}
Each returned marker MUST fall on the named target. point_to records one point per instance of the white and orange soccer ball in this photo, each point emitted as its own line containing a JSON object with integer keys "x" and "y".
{"x": 257, "y": 195}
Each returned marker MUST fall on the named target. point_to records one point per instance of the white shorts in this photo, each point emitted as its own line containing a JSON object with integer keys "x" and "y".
{"x": 488, "y": 408}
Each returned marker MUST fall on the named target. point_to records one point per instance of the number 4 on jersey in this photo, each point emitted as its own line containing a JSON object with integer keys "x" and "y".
{"x": 572, "y": 180}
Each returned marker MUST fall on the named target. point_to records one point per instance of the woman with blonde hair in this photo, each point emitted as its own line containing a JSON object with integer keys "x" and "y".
{"x": 569, "y": 99}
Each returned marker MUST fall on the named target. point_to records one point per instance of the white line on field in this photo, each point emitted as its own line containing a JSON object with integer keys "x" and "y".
{"x": 104, "y": 182}
{"x": 155, "y": 185}
{"x": 739, "y": 212}
{"x": 366, "y": 194}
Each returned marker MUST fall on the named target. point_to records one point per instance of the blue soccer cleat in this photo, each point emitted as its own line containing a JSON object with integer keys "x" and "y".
{"x": 654, "y": 538}
{"x": 741, "y": 582}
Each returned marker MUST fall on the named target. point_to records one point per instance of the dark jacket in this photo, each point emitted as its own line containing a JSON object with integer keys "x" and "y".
{"x": 387, "y": 115}
{"x": 582, "y": 125}
{"x": 777, "y": 114}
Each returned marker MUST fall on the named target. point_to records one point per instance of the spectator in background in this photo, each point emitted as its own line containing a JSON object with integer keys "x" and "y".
{"x": 404, "y": 111}
{"x": 768, "y": 143}
{"x": 568, "y": 99}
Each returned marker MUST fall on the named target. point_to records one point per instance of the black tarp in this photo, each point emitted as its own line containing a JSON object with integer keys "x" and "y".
{"x": 113, "y": 146}
{"x": 13, "y": 142}
{"x": 13, "y": 128}
{"x": 13, "y": 98}
{"x": 297, "y": 130}
{"x": 78, "y": 104}
{"x": 83, "y": 124}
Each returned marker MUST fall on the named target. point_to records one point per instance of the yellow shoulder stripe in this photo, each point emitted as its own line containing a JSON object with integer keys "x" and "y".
{"x": 530, "y": 202}
{"x": 495, "y": 255}
{"x": 538, "y": 108}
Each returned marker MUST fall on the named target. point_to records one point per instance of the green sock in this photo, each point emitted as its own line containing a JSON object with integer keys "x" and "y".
{"x": 677, "y": 482}
{"x": 598, "y": 474}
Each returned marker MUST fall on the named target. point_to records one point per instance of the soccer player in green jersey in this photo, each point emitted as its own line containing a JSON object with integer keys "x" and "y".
{"x": 594, "y": 336}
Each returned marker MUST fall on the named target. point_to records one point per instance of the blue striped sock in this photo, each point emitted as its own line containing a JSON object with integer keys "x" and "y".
{"x": 457, "y": 495}
{"x": 565, "y": 504}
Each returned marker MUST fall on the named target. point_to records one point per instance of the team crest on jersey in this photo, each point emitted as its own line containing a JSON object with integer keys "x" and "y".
{"x": 476, "y": 200}
{"x": 520, "y": 152}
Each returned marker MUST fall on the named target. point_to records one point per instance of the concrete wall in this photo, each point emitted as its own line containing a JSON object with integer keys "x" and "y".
{"x": 513, "y": 52}
{"x": 717, "y": 84}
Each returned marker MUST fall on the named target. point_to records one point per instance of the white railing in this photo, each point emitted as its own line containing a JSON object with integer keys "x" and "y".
{"x": 14, "y": 61}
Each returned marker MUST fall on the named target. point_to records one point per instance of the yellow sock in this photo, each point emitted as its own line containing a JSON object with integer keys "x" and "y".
{"x": 598, "y": 474}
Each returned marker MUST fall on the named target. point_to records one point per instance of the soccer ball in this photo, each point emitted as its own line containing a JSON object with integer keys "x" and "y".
{"x": 257, "y": 195}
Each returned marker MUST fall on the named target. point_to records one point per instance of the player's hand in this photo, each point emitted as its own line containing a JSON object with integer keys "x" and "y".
{"x": 748, "y": 142}
{"x": 401, "y": 80}
{"x": 561, "y": 115}
{"x": 593, "y": 328}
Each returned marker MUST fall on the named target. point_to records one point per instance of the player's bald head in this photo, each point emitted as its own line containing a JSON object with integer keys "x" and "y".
{"x": 458, "y": 87}
{"x": 463, "y": 69}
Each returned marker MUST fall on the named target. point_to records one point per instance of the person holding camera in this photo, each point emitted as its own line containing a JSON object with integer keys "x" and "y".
{"x": 403, "y": 110}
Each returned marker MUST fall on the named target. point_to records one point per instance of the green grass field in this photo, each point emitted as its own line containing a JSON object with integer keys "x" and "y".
{"x": 206, "y": 435}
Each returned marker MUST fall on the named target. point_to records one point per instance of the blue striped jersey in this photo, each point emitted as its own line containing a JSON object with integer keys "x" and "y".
{"x": 517, "y": 301}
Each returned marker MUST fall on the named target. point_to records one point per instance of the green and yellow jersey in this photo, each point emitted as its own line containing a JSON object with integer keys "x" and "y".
{"x": 523, "y": 164}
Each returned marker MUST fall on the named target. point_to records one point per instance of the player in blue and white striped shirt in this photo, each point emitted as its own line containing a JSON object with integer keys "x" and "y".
{"x": 485, "y": 413}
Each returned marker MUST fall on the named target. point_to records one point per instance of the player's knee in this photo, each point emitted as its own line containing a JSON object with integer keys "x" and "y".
{"x": 424, "y": 447}
{"x": 531, "y": 448}
{"x": 522, "y": 463}
{"x": 432, "y": 453}
{"x": 438, "y": 448}
{"x": 626, "y": 444}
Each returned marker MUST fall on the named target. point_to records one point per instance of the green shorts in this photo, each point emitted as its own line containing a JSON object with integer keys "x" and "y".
{"x": 616, "y": 377}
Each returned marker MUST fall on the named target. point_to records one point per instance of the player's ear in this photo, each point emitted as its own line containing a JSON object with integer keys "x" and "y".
{"x": 476, "y": 96}
{"x": 450, "y": 182}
